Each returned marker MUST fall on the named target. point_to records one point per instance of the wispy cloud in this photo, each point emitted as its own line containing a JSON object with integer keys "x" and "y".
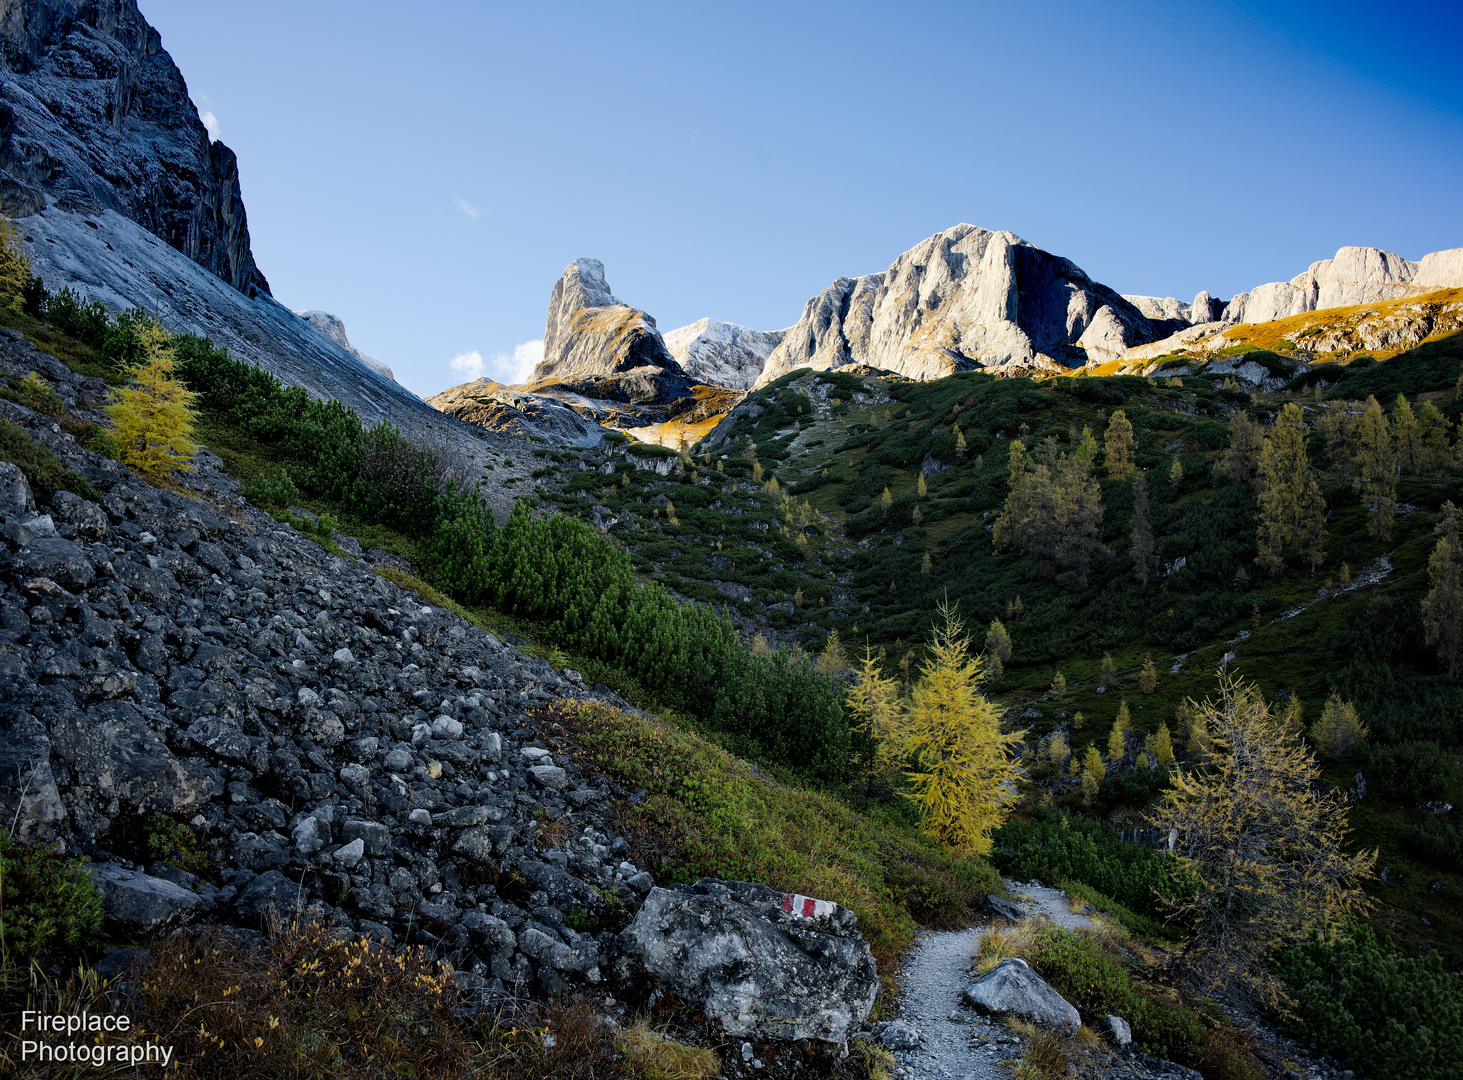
{"x": 471, "y": 210}
{"x": 514, "y": 367}
{"x": 468, "y": 363}
{"x": 525, "y": 358}
{"x": 205, "y": 113}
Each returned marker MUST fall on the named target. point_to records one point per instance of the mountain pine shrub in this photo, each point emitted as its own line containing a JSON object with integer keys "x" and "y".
{"x": 1390, "y": 1017}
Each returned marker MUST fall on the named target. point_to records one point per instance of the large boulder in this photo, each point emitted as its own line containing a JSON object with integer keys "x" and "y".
{"x": 766, "y": 964}
{"x": 138, "y": 902}
{"x": 1013, "y": 988}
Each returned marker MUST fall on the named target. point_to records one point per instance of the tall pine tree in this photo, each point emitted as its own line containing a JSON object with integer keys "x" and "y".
{"x": 1292, "y": 511}
{"x": 1143, "y": 558}
{"x": 1442, "y": 608}
{"x": 1118, "y": 445}
{"x": 1378, "y": 461}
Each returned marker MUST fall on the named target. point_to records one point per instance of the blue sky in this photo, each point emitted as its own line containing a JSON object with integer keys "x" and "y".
{"x": 426, "y": 171}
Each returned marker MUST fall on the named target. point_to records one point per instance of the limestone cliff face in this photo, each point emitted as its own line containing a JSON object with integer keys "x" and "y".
{"x": 590, "y": 334}
{"x": 722, "y": 354}
{"x": 95, "y": 115}
{"x": 1356, "y": 275}
{"x": 965, "y": 298}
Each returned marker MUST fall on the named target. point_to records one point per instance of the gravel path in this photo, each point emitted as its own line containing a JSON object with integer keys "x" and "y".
{"x": 955, "y": 1041}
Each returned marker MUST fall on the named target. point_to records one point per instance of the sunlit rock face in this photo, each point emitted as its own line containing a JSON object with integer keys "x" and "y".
{"x": 965, "y": 299}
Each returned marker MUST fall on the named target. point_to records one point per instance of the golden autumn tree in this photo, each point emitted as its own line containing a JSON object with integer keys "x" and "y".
{"x": 153, "y": 414}
{"x": 14, "y": 265}
{"x": 877, "y": 714}
{"x": 1264, "y": 849}
{"x": 963, "y": 775}
{"x": 1093, "y": 774}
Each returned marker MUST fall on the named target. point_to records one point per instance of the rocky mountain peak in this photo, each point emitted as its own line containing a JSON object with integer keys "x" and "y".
{"x": 590, "y": 334}
{"x": 331, "y": 326}
{"x": 722, "y": 354}
{"x": 95, "y": 115}
{"x": 964, "y": 298}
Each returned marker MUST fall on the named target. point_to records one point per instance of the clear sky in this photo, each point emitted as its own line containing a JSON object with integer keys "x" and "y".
{"x": 426, "y": 170}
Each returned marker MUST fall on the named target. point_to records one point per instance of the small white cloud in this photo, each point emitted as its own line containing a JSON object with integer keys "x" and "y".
{"x": 205, "y": 113}
{"x": 469, "y": 363}
{"x": 507, "y": 368}
{"x": 525, "y": 358}
{"x": 472, "y": 210}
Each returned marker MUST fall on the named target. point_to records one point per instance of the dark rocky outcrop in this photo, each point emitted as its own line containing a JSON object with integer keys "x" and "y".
{"x": 346, "y": 750}
{"x": 95, "y": 115}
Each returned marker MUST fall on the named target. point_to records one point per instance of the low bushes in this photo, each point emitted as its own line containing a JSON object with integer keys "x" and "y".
{"x": 46, "y": 899}
{"x": 1055, "y": 846}
{"x": 1391, "y": 1017}
{"x": 1095, "y": 982}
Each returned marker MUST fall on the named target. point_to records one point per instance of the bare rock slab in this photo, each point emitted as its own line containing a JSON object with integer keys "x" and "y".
{"x": 140, "y": 902}
{"x": 766, "y": 964}
{"x": 1013, "y": 988}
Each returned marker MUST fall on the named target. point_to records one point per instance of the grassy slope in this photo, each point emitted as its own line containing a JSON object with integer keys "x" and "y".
{"x": 1219, "y": 603}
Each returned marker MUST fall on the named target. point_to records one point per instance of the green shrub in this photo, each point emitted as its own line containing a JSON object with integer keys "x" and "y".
{"x": 45, "y": 474}
{"x": 1390, "y": 1017}
{"x": 1098, "y": 985}
{"x": 278, "y": 490}
{"x": 174, "y": 843}
{"x": 46, "y": 899}
{"x": 1057, "y": 846}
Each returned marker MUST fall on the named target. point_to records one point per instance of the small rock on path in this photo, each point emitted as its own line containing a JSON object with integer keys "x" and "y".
{"x": 937, "y": 970}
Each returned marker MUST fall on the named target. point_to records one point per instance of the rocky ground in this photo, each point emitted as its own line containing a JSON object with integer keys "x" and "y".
{"x": 336, "y": 744}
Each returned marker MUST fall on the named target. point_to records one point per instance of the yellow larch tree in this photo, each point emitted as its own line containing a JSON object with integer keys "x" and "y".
{"x": 1263, "y": 845}
{"x": 964, "y": 776}
{"x": 877, "y": 715}
{"x": 1093, "y": 774}
{"x": 154, "y": 412}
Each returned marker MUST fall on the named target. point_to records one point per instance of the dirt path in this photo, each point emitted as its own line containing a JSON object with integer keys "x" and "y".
{"x": 955, "y": 1042}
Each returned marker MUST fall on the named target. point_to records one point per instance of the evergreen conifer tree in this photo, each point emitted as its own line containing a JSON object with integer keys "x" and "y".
{"x": 1118, "y": 446}
{"x": 1378, "y": 463}
{"x": 1292, "y": 511}
{"x": 1408, "y": 434}
{"x": 1442, "y": 608}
